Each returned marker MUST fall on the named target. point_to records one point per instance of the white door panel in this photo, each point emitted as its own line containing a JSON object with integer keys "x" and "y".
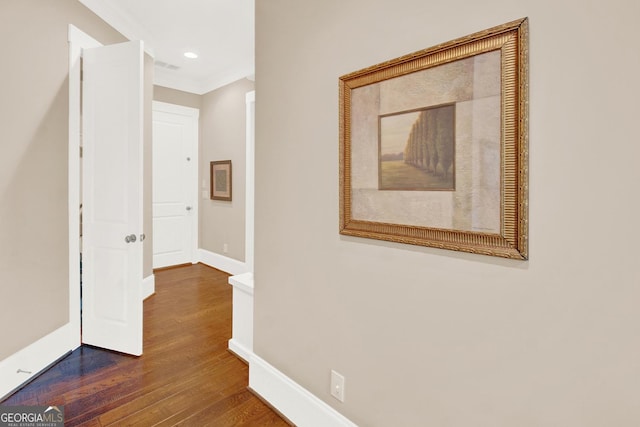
{"x": 174, "y": 185}
{"x": 112, "y": 197}
{"x": 173, "y": 243}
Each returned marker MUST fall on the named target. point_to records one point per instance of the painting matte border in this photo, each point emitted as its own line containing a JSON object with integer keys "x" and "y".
{"x": 510, "y": 239}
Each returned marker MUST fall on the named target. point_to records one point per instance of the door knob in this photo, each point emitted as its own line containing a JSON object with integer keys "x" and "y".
{"x": 189, "y": 208}
{"x": 130, "y": 238}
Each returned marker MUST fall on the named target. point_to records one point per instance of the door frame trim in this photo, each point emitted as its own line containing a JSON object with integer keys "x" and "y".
{"x": 250, "y": 100}
{"x": 78, "y": 40}
{"x": 193, "y": 114}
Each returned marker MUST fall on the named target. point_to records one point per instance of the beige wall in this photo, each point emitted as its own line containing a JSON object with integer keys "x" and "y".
{"x": 438, "y": 338}
{"x": 222, "y": 137}
{"x": 178, "y": 97}
{"x": 33, "y": 165}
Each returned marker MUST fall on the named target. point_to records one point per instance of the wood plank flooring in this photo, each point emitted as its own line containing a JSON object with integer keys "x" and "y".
{"x": 186, "y": 376}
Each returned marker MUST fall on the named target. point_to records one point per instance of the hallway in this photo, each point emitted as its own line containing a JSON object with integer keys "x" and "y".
{"x": 186, "y": 375}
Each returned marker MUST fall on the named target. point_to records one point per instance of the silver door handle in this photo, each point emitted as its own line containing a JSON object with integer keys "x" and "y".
{"x": 130, "y": 238}
{"x": 189, "y": 208}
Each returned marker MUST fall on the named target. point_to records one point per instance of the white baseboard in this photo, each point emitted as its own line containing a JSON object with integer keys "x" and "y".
{"x": 27, "y": 363}
{"x": 221, "y": 262}
{"x": 292, "y": 400}
{"x": 148, "y": 286}
{"x": 239, "y": 350}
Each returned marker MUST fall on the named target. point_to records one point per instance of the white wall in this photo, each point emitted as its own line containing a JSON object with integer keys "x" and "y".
{"x": 438, "y": 338}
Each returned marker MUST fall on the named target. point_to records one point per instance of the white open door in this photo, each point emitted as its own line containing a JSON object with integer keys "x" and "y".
{"x": 112, "y": 197}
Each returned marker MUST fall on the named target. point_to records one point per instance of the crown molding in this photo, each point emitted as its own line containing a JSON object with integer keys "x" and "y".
{"x": 167, "y": 78}
{"x": 216, "y": 82}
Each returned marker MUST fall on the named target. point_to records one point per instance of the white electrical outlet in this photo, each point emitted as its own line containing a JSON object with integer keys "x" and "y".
{"x": 337, "y": 386}
{"x": 225, "y": 248}
{"x": 205, "y": 194}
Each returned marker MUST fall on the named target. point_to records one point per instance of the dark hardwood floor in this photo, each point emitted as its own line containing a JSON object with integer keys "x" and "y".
{"x": 186, "y": 376}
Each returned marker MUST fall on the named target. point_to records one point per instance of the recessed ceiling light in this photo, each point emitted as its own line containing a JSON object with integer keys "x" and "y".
{"x": 191, "y": 55}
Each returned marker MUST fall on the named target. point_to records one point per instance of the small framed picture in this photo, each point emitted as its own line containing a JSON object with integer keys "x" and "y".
{"x": 221, "y": 180}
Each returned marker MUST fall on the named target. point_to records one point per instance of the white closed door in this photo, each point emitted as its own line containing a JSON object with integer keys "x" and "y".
{"x": 112, "y": 123}
{"x": 175, "y": 184}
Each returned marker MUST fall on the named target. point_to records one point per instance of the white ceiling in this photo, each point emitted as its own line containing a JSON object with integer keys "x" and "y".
{"x": 220, "y": 31}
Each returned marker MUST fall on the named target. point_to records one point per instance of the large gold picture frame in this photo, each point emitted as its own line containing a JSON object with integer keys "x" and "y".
{"x": 434, "y": 146}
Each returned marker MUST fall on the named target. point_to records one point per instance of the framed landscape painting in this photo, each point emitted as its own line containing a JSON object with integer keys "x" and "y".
{"x": 434, "y": 146}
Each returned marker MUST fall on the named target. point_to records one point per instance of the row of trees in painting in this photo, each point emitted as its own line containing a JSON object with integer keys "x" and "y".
{"x": 431, "y": 142}
{"x": 417, "y": 150}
